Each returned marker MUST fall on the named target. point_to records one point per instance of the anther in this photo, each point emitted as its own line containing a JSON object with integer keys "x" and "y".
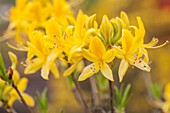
{"x": 23, "y": 64}
{"x": 54, "y": 35}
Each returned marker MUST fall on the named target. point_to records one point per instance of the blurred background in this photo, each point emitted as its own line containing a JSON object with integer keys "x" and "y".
{"x": 156, "y": 17}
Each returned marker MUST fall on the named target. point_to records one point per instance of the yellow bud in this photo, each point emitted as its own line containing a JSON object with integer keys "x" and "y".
{"x": 106, "y": 29}
{"x": 91, "y": 23}
{"x": 14, "y": 60}
{"x": 124, "y": 18}
{"x": 71, "y": 20}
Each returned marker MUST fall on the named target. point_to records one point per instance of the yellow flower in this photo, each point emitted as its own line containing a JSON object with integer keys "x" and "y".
{"x": 167, "y": 92}
{"x": 21, "y": 85}
{"x": 60, "y": 10}
{"x": 44, "y": 56}
{"x": 127, "y": 54}
{"x": 139, "y": 40}
{"x": 8, "y": 94}
{"x": 100, "y": 57}
{"x": 79, "y": 37}
{"x": 166, "y": 104}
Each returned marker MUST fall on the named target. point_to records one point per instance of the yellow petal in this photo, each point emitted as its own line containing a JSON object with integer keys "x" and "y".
{"x": 89, "y": 56}
{"x": 71, "y": 69}
{"x": 45, "y": 71}
{"x": 107, "y": 72}
{"x": 11, "y": 100}
{"x": 80, "y": 22}
{"x": 15, "y": 76}
{"x": 88, "y": 71}
{"x": 35, "y": 65}
{"x": 109, "y": 56}
{"x": 127, "y": 41}
{"x": 33, "y": 50}
{"x": 118, "y": 52}
{"x": 53, "y": 28}
{"x": 97, "y": 48}
{"x": 146, "y": 58}
{"x": 54, "y": 70}
{"x": 36, "y": 39}
{"x": 28, "y": 99}
{"x": 74, "y": 52}
{"x": 167, "y": 92}
{"x": 139, "y": 63}
{"x": 22, "y": 85}
{"x": 124, "y": 17}
{"x": 141, "y": 29}
{"x": 14, "y": 59}
{"x": 52, "y": 57}
{"x": 122, "y": 69}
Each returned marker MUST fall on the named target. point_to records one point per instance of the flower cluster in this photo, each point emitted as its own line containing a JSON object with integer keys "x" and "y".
{"x": 71, "y": 40}
{"x": 8, "y": 93}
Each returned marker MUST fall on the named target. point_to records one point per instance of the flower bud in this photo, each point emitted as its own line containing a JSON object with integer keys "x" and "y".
{"x": 106, "y": 30}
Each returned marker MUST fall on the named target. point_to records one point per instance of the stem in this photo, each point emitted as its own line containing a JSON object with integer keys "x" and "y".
{"x": 77, "y": 97}
{"x": 95, "y": 98}
{"x": 111, "y": 96}
{"x": 148, "y": 83}
{"x": 12, "y": 110}
{"x": 80, "y": 93}
{"x": 22, "y": 99}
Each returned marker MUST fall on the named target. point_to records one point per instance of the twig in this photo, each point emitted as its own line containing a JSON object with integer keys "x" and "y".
{"x": 148, "y": 83}
{"x": 95, "y": 98}
{"x": 22, "y": 99}
{"x": 111, "y": 96}
{"x": 80, "y": 93}
{"x": 77, "y": 97}
{"x": 12, "y": 110}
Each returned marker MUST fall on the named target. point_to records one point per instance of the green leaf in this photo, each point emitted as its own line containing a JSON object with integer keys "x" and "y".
{"x": 118, "y": 95}
{"x": 2, "y": 67}
{"x": 125, "y": 96}
{"x": 156, "y": 91}
{"x": 41, "y": 100}
{"x": 61, "y": 111}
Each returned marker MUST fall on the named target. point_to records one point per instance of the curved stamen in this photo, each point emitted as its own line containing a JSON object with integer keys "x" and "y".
{"x": 159, "y": 45}
{"x": 153, "y": 42}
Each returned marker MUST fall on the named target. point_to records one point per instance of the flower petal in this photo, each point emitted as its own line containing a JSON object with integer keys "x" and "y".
{"x": 139, "y": 64}
{"x": 97, "y": 48}
{"x": 118, "y": 52}
{"x": 45, "y": 71}
{"x": 80, "y": 22}
{"x": 14, "y": 60}
{"x": 51, "y": 58}
{"x": 109, "y": 56}
{"x": 28, "y": 99}
{"x": 54, "y": 70}
{"x": 35, "y": 65}
{"x": 107, "y": 72}
{"x": 11, "y": 100}
{"x": 127, "y": 41}
{"x": 167, "y": 92}
{"x": 15, "y": 76}
{"x": 89, "y": 56}
{"x": 88, "y": 71}
{"x": 22, "y": 85}
{"x": 146, "y": 58}
{"x": 71, "y": 69}
{"x": 122, "y": 69}
{"x": 53, "y": 28}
